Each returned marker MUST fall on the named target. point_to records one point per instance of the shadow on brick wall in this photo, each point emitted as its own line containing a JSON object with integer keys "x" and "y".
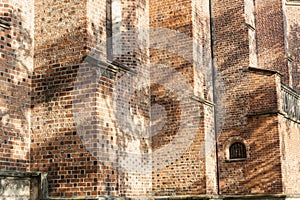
{"x": 16, "y": 51}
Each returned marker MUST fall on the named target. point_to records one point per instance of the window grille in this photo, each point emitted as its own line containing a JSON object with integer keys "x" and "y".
{"x": 237, "y": 151}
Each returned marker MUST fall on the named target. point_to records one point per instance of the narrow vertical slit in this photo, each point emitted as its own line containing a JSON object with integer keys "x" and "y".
{"x": 109, "y": 30}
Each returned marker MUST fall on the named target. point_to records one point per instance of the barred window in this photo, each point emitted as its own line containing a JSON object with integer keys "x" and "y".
{"x": 237, "y": 151}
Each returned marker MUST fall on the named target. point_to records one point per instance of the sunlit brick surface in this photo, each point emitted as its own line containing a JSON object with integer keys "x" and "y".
{"x": 143, "y": 98}
{"x": 16, "y": 58}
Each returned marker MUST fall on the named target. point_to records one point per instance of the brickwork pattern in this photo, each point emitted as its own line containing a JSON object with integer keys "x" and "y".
{"x": 289, "y": 102}
{"x": 132, "y": 96}
{"x": 96, "y": 23}
{"x": 173, "y": 33}
{"x": 261, "y": 171}
{"x": 145, "y": 125}
{"x": 16, "y": 60}
{"x": 202, "y": 70}
{"x": 292, "y": 43}
{"x": 270, "y": 48}
{"x": 231, "y": 51}
{"x": 60, "y": 44}
{"x": 166, "y": 15}
{"x": 180, "y": 141}
{"x": 258, "y": 174}
{"x": 250, "y": 95}
{"x": 290, "y": 157}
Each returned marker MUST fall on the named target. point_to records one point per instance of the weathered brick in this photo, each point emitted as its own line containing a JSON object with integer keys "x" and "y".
{"x": 138, "y": 98}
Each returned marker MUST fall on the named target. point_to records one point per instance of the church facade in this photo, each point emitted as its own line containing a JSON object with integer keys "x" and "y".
{"x": 190, "y": 99}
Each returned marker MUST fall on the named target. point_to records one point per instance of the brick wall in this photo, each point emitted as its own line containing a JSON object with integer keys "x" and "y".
{"x": 176, "y": 23}
{"x": 248, "y": 97}
{"x": 179, "y": 72}
{"x": 204, "y": 85}
{"x": 177, "y": 136}
{"x": 56, "y": 146}
{"x": 231, "y": 56}
{"x": 15, "y": 78}
{"x": 291, "y": 13}
{"x": 260, "y": 172}
{"x": 144, "y": 124}
{"x": 96, "y": 22}
{"x": 78, "y": 128}
{"x": 131, "y": 96}
{"x": 289, "y": 127}
{"x": 270, "y": 37}
{"x": 290, "y": 157}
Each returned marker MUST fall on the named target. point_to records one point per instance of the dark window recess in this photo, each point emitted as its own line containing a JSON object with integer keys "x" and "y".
{"x": 4, "y": 23}
{"x": 109, "y": 29}
{"x": 237, "y": 151}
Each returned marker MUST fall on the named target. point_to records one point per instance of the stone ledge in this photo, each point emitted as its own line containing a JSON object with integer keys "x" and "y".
{"x": 290, "y": 90}
{"x": 179, "y": 197}
{"x": 19, "y": 174}
{"x": 200, "y": 197}
{"x": 254, "y": 69}
{"x": 289, "y": 118}
{"x": 292, "y": 3}
{"x": 203, "y": 101}
{"x": 254, "y": 114}
{"x": 190, "y": 197}
{"x": 87, "y": 198}
{"x": 255, "y": 196}
{"x": 108, "y": 65}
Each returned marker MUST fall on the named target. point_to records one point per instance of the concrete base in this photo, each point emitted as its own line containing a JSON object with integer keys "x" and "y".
{"x": 195, "y": 197}
{"x": 23, "y": 185}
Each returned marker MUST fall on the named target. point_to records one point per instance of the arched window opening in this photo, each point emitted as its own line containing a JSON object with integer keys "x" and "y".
{"x": 237, "y": 151}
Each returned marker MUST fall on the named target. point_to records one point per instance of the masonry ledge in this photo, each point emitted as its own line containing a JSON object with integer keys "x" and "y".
{"x": 291, "y": 90}
{"x": 292, "y": 3}
{"x": 178, "y": 197}
{"x": 173, "y": 197}
{"x": 271, "y": 112}
{"x": 109, "y": 65}
{"x": 203, "y": 101}
{"x": 285, "y": 115}
{"x": 188, "y": 197}
{"x": 255, "y": 196}
{"x": 19, "y": 174}
{"x": 254, "y": 69}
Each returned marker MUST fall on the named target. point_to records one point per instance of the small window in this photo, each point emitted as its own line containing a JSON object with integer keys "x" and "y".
{"x": 237, "y": 151}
